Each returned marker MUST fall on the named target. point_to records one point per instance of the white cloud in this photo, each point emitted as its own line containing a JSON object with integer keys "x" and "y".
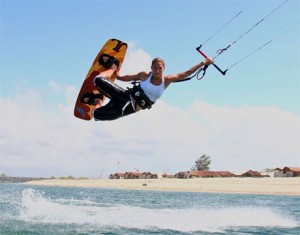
{"x": 54, "y": 86}
{"x": 160, "y": 139}
{"x": 41, "y": 140}
{"x": 254, "y": 136}
{"x": 136, "y": 60}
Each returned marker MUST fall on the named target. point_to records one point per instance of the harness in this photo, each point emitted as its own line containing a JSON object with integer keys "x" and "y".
{"x": 140, "y": 97}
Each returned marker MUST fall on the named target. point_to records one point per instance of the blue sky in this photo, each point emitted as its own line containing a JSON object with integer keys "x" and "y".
{"x": 47, "y": 48}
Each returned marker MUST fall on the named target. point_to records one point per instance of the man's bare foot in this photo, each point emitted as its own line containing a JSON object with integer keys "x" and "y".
{"x": 98, "y": 103}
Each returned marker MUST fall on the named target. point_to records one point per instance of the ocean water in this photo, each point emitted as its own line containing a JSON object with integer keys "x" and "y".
{"x": 43, "y": 210}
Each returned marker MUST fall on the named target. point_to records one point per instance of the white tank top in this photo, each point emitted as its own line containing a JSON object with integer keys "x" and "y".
{"x": 152, "y": 91}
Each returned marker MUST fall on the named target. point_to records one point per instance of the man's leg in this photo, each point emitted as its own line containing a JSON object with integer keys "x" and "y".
{"x": 108, "y": 88}
{"x": 114, "y": 109}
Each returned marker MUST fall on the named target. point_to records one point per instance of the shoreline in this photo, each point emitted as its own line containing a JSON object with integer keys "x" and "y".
{"x": 16, "y": 179}
{"x": 273, "y": 186}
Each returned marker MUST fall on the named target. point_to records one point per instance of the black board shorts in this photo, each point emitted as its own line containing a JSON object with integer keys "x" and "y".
{"x": 120, "y": 103}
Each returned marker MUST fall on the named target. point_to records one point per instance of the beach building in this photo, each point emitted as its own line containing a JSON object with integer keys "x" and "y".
{"x": 287, "y": 172}
{"x": 198, "y": 174}
{"x": 169, "y": 176}
{"x": 225, "y": 174}
{"x": 132, "y": 175}
{"x": 148, "y": 175}
{"x": 251, "y": 173}
{"x": 292, "y": 171}
{"x": 180, "y": 175}
{"x": 203, "y": 174}
{"x": 117, "y": 176}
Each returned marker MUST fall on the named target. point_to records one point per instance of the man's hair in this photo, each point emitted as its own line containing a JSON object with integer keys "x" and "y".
{"x": 158, "y": 59}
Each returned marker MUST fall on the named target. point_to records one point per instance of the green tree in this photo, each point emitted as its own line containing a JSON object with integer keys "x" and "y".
{"x": 202, "y": 163}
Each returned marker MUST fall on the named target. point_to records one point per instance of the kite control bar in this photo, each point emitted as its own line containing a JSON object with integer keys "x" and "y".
{"x": 205, "y": 67}
{"x": 202, "y": 69}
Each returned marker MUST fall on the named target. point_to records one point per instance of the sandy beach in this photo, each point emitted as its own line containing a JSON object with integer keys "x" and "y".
{"x": 277, "y": 186}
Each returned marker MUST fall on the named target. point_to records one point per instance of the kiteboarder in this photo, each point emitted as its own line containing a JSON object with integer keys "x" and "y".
{"x": 123, "y": 102}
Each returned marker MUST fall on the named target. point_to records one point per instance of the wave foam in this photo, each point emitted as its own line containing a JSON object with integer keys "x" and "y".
{"x": 37, "y": 208}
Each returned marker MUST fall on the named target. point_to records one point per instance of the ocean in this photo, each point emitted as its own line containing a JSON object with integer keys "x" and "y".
{"x": 27, "y": 209}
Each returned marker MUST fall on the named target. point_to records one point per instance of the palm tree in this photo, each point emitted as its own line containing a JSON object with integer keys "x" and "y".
{"x": 202, "y": 163}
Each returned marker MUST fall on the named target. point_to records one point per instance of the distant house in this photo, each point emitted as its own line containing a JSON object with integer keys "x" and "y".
{"x": 180, "y": 175}
{"x": 132, "y": 175}
{"x": 198, "y": 174}
{"x": 251, "y": 173}
{"x": 117, "y": 176}
{"x": 148, "y": 175}
{"x": 165, "y": 175}
{"x": 291, "y": 171}
{"x": 225, "y": 174}
{"x": 287, "y": 172}
{"x": 204, "y": 174}
{"x": 278, "y": 173}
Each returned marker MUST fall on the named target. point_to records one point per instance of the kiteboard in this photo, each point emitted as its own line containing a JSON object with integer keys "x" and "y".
{"x": 112, "y": 47}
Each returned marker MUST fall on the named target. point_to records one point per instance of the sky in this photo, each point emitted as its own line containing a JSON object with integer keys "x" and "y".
{"x": 248, "y": 119}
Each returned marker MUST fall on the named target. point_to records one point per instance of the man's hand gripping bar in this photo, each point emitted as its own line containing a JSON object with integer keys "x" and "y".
{"x": 205, "y": 56}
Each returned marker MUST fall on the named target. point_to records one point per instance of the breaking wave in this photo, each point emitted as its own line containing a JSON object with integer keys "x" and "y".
{"x": 35, "y": 207}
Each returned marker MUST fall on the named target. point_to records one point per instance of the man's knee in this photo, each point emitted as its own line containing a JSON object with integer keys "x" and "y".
{"x": 105, "y": 114}
{"x": 113, "y": 110}
{"x": 107, "y": 88}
